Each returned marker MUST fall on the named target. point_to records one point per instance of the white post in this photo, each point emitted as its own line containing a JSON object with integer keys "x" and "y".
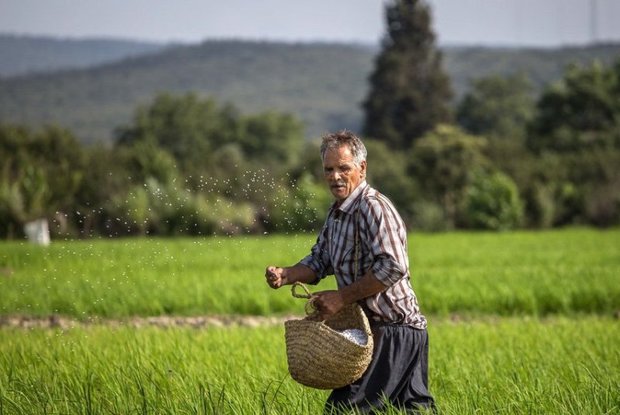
{"x": 38, "y": 232}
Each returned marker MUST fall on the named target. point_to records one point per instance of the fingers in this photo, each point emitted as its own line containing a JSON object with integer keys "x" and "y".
{"x": 273, "y": 275}
{"x": 327, "y": 303}
{"x": 322, "y": 310}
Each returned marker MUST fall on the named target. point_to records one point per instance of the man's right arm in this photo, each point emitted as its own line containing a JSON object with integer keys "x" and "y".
{"x": 277, "y": 276}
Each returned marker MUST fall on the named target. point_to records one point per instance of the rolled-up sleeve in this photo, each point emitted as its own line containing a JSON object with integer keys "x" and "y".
{"x": 386, "y": 238}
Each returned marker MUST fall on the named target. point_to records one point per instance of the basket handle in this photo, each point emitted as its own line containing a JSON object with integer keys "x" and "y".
{"x": 307, "y": 295}
{"x": 310, "y": 308}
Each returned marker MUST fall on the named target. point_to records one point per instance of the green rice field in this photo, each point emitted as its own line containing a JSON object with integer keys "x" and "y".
{"x": 507, "y": 366}
{"x": 521, "y": 273}
{"x": 519, "y": 323}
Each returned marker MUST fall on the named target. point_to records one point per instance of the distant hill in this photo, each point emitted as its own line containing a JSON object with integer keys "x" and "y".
{"x": 541, "y": 65}
{"x": 323, "y": 84}
{"x": 22, "y": 55}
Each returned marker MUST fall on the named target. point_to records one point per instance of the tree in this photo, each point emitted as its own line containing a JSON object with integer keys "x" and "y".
{"x": 387, "y": 170}
{"x": 492, "y": 201}
{"x": 581, "y": 111}
{"x": 201, "y": 136}
{"x": 189, "y": 128}
{"x": 500, "y": 108}
{"x": 273, "y": 139}
{"x": 41, "y": 173}
{"x": 409, "y": 92}
{"x": 577, "y": 129}
{"x": 443, "y": 162}
{"x": 497, "y": 107}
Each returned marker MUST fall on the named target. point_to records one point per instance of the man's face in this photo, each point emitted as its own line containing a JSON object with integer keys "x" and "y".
{"x": 341, "y": 172}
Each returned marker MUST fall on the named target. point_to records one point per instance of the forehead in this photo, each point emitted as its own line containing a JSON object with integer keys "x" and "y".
{"x": 338, "y": 155}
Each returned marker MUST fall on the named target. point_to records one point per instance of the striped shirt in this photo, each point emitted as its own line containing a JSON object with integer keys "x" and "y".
{"x": 370, "y": 218}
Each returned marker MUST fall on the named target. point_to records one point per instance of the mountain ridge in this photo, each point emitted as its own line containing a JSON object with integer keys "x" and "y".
{"x": 323, "y": 84}
{"x": 28, "y": 55}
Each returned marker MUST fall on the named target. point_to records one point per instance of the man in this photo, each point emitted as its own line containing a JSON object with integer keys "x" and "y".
{"x": 364, "y": 244}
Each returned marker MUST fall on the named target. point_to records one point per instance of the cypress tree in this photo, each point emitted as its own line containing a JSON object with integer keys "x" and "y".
{"x": 409, "y": 92}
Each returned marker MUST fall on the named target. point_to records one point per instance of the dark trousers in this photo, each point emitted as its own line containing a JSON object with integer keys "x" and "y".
{"x": 398, "y": 373}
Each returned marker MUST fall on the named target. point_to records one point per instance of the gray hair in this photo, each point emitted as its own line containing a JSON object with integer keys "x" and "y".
{"x": 344, "y": 138}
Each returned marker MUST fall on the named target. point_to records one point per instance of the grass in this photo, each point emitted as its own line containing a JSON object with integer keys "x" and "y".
{"x": 520, "y": 323}
{"x": 512, "y": 366}
{"x": 494, "y": 365}
{"x": 533, "y": 273}
{"x": 519, "y": 273}
{"x": 118, "y": 278}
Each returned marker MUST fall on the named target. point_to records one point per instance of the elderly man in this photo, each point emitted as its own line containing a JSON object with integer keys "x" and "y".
{"x": 365, "y": 221}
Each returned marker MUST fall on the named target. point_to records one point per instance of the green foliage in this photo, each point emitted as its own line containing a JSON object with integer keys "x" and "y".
{"x": 540, "y": 206}
{"x": 107, "y": 177}
{"x": 387, "y": 171}
{"x": 11, "y": 208}
{"x": 429, "y": 216}
{"x": 302, "y": 207}
{"x": 274, "y": 140}
{"x": 41, "y": 174}
{"x": 145, "y": 160}
{"x": 185, "y": 166}
{"x": 569, "y": 188}
{"x": 497, "y": 107}
{"x": 187, "y": 127}
{"x": 218, "y": 151}
{"x": 259, "y": 174}
{"x": 442, "y": 162}
{"x": 492, "y": 202}
{"x": 165, "y": 209}
{"x": 580, "y": 112}
{"x": 409, "y": 92}
{"x": 208, "y": 140}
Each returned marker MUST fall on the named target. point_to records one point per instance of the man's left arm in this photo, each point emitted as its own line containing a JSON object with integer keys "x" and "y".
{"x": 330, "y": 302}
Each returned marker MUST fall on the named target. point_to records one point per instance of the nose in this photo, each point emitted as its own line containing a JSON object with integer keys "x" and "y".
{"x": 333, "y": 175}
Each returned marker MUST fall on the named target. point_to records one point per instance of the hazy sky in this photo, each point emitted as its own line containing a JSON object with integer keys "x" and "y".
{"x": 488, "y": 22}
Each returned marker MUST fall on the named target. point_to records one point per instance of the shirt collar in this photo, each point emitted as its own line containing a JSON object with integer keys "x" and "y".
{"x": 348, "y": 205}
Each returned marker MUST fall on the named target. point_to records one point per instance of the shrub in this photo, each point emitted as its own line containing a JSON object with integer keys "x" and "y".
{"x": 429, "y": 216}
{"x": 492, "y": 202}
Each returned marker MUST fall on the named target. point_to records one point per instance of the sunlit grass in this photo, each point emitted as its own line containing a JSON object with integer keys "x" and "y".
{"x": 522, "y": 336}
{"x": 519, "y": 273}
{"x": 563, "y": 271}
{"x": 489, "y": 365}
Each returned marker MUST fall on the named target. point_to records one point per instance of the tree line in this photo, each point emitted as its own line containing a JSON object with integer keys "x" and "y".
{"x": 186, "y": 165}
{"x": 498, "y": 159}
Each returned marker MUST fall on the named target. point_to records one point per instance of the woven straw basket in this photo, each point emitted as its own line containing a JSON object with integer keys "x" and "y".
{"x": 320, "y": 357}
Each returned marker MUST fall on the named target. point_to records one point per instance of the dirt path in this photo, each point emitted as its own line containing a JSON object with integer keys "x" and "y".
{"x": 54, "y": 321}
{"x": 198, "y": 322}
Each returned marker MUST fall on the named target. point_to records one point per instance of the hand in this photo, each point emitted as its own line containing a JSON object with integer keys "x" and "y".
{"x": 274, "y": 277}
{"x": 328, "y": 303}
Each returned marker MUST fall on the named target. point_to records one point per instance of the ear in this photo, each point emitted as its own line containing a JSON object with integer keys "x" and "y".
{"x": 363, "y": 168}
